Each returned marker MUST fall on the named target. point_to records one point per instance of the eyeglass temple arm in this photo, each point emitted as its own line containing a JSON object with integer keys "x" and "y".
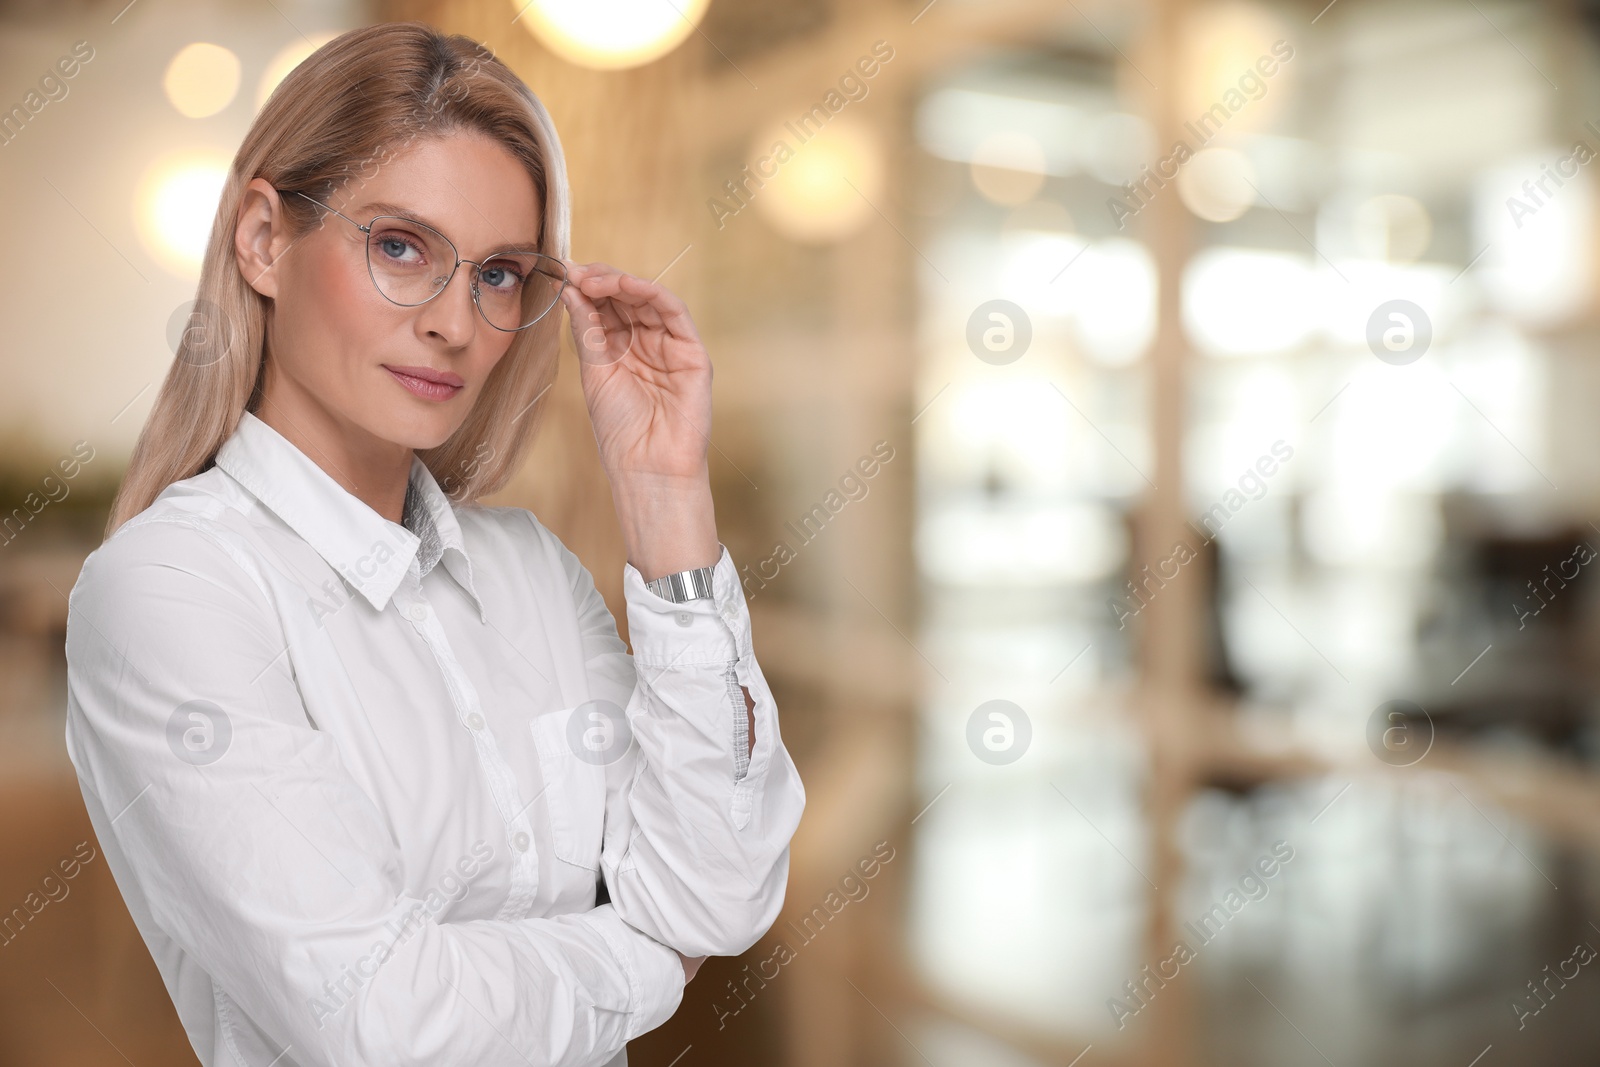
{"x": 319, "y": 203}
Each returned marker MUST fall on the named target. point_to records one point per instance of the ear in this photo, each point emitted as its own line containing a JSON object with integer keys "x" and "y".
{"x": 260, "y": 236}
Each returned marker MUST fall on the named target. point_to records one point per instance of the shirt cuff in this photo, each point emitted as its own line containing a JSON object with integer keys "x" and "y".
{"x": 655, "y": 976}
{"x": 694, "y": 633}
{"x": 697, "y": 656}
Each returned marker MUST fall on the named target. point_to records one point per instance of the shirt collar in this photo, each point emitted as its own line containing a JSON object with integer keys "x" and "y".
{"x": 372, "y": 553}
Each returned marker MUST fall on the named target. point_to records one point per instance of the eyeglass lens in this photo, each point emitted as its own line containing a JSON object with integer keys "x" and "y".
{"x": 411, "y": 262}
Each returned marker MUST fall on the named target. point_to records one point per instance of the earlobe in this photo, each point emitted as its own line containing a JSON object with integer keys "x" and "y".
{"x": 254, "y": 236}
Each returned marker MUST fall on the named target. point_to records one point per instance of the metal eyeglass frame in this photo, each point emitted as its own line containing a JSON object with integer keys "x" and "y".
{"x": 477, "y": 266}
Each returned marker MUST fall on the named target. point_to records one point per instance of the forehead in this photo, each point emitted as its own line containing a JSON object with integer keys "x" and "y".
{"x": 466, "y": 185}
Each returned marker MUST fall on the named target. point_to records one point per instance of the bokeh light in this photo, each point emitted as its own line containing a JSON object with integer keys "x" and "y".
{"x": 1218, "y": 184}
{"x": 1008, "y": 168}
{"x": 826, "y": 189}
{"x": 175, "y": 205}
{"x": 1222, "y": 44}
{"x": 288, "y": 58}
{"x": 610, "y": 34}
{"x": 202, "y": 79}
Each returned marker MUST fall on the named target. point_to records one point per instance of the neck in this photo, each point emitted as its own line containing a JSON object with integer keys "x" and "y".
{"x": 371, "y": 469}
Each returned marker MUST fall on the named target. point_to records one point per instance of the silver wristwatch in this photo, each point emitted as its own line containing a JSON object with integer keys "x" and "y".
{"x": 684, "y": 585}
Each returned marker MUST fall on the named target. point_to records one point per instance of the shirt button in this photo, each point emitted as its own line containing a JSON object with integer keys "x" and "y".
{"x": 418, "y": 612}
{"x": 475, "y": 721}
{"x": 520, "y": 842}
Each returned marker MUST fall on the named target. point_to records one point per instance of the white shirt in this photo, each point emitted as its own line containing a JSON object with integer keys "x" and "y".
{"x": 327, "y": 757}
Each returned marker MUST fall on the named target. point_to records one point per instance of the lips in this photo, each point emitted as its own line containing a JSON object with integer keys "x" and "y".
{"x": 426, "y": 382}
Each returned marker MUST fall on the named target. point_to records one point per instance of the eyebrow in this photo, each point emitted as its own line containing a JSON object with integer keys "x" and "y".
{"x": 385, "y": 207}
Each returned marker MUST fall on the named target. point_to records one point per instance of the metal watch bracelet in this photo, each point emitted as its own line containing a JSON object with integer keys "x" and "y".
{"x": 684, "y": 585}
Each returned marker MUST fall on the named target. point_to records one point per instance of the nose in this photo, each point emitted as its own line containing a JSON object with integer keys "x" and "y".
{"x": 450, "y": 317}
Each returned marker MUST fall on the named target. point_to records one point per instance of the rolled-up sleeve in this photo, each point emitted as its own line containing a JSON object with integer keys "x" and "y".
{"x": 275, "y": 871}
{"x": 697, "y": 825}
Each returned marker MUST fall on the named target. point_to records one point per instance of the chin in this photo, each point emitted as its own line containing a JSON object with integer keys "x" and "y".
{"x": 421, "y": 431}
{"x": 433, "y": 438}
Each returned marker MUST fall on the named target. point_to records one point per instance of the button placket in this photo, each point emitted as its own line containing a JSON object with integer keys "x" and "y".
{"x": 497, "y": 773}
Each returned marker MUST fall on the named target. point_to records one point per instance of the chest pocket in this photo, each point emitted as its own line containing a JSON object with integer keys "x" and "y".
{"x": 574, "y": 747}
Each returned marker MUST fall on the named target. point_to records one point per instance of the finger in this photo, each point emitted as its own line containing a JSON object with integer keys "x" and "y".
{"x": 595, "y": 269}
{"x": 647, "y": 315}
{"x": 601, "y": 329}
{"x": 579, "y": 273}
{"x": 668, "y": 311}
{"x": 632, "y": 311}
{"x": 600, "y": 279}
{"x": 653, "y": 304}
{"x": 644, "y": 314}
{"x": 589, "y": 302}
{"x": 578, "y": 306}
{"x": 576, "y": 270}
{"x": 612, "y": 315}
{"x": 609, "y": 286}
{"x": 592, "y": 325}
{"x": 672, "y": 312}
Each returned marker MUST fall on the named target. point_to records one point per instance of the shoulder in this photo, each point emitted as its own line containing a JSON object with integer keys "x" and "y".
{"x": 206, "y": 509}
{"x": 514, "y": 530}
{"x": 498, "y": 520}
{"x": 187, "y": 545}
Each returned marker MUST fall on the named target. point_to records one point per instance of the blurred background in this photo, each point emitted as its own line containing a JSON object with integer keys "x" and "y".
{"x": 1208, "y": 661}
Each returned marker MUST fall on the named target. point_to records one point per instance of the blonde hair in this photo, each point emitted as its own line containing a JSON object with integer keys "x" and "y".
{"x": 340, "y": 114}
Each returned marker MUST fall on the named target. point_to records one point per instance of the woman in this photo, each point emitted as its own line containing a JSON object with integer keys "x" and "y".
{"x": 362, "y": 753}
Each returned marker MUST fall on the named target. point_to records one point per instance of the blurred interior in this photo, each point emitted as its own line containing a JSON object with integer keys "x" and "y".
{"x": 1258, "y": 568}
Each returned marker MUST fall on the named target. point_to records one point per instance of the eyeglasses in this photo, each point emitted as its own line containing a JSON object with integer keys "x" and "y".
{"x": 411, "y": 263}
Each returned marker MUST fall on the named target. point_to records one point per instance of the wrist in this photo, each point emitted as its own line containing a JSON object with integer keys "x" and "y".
{"x": 668, "y": 525}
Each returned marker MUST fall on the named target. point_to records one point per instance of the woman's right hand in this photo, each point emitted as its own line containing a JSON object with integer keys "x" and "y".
{"x": 691, "y": 964}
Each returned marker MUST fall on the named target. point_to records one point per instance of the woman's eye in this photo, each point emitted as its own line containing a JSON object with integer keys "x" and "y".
{"x": 501, "y": 276}
{"x": 399, "y": 248}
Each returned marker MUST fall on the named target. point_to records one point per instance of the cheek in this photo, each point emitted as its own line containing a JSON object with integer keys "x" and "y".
{"x": 339, "y": 295}
{"x": 489, "y": 359}
{"x": 335, "y": 312}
